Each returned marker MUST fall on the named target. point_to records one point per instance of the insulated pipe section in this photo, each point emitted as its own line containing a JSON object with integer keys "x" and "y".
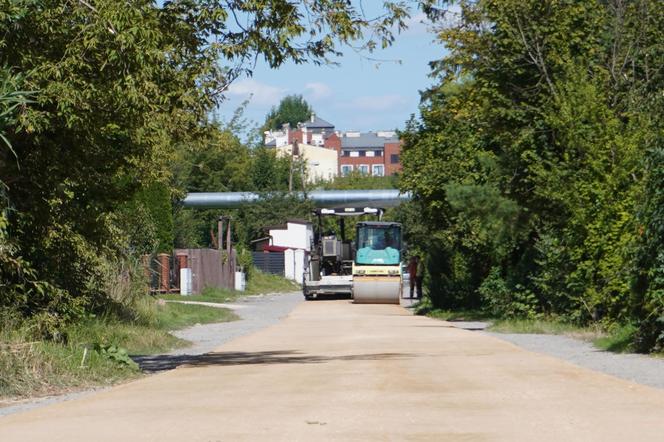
{"x": 219, "y": 200}
{"x": 321, "y": 198}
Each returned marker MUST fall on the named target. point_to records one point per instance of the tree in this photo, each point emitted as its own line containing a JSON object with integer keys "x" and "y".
{"x": 269, "y": 173}
{"x": 273, "y": 208}
{"x": 648, "y": 300}
{"x": 121, "y": 84}
{"x": 357, "y": 180}
{"x": 292, "y": 109}
{"x": 19, "y": 281}
{"x": 12, "y": 99}
{"x": 528, "y": 160}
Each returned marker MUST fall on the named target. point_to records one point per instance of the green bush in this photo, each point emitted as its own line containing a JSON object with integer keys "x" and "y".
{"x": 502, "y": 301}
{"x": 155, "y": 200}
{"x": 539, "y": 169}
{"x": 648, "y": 300}
{"x": 650, "y": 335}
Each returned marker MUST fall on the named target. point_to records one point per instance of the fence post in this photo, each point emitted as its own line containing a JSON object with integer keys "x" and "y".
{"x": 220, "y": 233}
{"x": 229, "y": 252}
{"x": 164, "y": 272}
{"x": 182, "y": 260}
{"x": 228, "y": 235}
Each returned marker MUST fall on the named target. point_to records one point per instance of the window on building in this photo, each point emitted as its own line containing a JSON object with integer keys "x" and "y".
{"x": 370, "y": 153}
{"x": 378, "y": 170}
{"x": 363, "y": 153}
{"x": 394, "y": 158}
{"x": 345, "y": 153}
{"x": 364, "y": 169}
{"x": 354, "y": 153}
{"x": 346, "y": 169}
{"x": 378, "y": 153}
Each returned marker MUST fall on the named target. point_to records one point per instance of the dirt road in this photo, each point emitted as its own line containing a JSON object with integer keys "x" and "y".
{"x": 337, "y": 371}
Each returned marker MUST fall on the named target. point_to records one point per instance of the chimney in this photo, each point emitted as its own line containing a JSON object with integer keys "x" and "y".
{"x": 313, "y": 117}
{"x": 286, "y": 128}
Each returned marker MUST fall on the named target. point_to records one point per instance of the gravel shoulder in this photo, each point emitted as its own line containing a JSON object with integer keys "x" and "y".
{"x": 256, "y": 312}
{"x": 333, "y": 370}
{"x": 642, "y": 369}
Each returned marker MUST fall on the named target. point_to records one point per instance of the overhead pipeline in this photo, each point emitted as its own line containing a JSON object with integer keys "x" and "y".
{"x": 321, "y": 198}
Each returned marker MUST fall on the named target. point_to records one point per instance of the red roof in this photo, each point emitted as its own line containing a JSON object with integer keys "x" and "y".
{"x": 272, "y": 248}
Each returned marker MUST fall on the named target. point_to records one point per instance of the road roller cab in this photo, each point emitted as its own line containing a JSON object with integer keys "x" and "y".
{"x": 377, "y": 274}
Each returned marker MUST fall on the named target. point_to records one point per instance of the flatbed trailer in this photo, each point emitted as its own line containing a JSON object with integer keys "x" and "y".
{"x": 333, "y": 285}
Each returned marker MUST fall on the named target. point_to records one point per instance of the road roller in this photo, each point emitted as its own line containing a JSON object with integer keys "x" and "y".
{"x": 377, "y": 277}
{"x": 329, "y": 267}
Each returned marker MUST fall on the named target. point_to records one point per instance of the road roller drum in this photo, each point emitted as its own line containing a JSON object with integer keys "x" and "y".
{"x": 377, "y": 290}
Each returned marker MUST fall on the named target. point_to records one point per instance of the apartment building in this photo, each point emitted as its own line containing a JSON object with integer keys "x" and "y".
{"x": 371, "y": 153}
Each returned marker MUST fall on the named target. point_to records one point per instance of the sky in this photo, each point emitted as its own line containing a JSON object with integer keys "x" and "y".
{"x": 360, "y": 94}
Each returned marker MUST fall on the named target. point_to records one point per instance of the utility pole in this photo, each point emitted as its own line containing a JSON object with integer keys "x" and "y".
{"x": 295, "y": 152}
{"x": 220, "y": 233}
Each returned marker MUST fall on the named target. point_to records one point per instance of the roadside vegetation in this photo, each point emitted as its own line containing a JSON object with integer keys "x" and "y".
{"x": 258, "y": 283}
{"x": 537, "y": 166}
{"x": 612, "y": 337}
{"x": 109, "y": 113}
{"x": 92, "y": 352}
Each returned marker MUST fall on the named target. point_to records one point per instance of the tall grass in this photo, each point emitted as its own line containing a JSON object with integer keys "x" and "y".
{"x": 547, "y": 326}
{"x": 258, "y": 283}
{"x": 618, "y": 339}
{"x": 29, "y": 367}
{"x": 92, "y": 350}
{"x": 127, "y": 290}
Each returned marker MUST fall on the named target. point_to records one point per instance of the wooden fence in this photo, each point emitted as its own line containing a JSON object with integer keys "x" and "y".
{"x": 209, "y": 268}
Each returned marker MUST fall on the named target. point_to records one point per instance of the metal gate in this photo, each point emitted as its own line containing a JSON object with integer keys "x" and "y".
{"x": 269, "y": 262}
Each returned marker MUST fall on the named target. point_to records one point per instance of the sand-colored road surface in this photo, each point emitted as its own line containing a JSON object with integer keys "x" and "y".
{"x": 338, "y": 371}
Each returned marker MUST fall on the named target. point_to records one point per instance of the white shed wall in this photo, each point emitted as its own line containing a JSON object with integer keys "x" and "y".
{"x": 294, "y": 264}
{"x": 295, "y": 236}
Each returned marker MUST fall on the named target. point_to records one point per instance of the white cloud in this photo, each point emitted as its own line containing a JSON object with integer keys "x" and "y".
{"x": 377, "y": 103}
{"x": 317, "y": 91}
{"x": 263, "y": 94}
